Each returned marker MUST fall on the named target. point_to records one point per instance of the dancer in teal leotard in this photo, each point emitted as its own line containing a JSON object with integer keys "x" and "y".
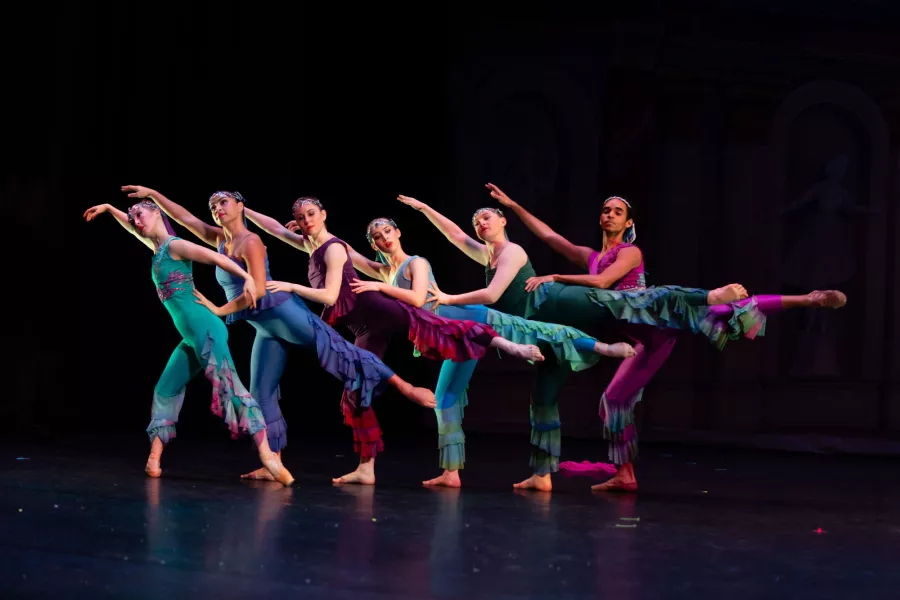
{"x": 204, "y": 346}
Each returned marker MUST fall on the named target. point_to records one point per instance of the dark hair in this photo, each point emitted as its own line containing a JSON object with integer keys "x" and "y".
{"x": 631, "y": 233}
{"x": 629, "y": 210}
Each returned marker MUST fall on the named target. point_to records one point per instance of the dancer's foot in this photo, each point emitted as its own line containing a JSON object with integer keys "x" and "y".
{"x": 540, "y": 483}
{"x": 729, "y": 293}
{"x": 363, "y": 475}
{"x": 623, "y": 481}
{"x": 619, "y": 350}
{"x": 259, "y": 474}
{"x": 152, "y": 468}
{"x": 276, "y": 468}
{"x": 421, "y": 396}
{"x": 446, "y": 479}
{"x": 828, "y": 298}
{"x": 524, "y": 351}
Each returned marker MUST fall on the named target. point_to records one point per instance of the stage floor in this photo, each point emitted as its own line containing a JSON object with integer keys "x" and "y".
{"x": 707, "y": 523}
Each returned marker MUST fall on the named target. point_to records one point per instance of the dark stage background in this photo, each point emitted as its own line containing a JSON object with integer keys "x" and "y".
{"x": 710, "y": 117}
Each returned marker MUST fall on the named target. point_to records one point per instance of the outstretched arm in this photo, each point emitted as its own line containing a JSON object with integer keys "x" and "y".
{"x": 626, "y": 260}
{"x": 372, "y": 268}
{"x": 577, "y": 254}
{"x": 471, "y": 247}
{"x": 210, "y": 234}
{"x": 335, "y": 257}
{"x": 253, "y": 253}
{"x": 508, "y": 265}
{"x": 274, "y": 228}
{"x": 120, "y": 217}
{"x": 185, "y": 250}
{"x": 415, "y": 297}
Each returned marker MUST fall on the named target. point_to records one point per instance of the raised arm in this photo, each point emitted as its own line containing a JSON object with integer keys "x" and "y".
{"x": 416, "y": 296}
{"x": 471, "y": 247}
{"x": 508, "y": 265}
{"x": 276, "y": 229}
{"x": 335, "y": 257}
{"x": 577, "y": 254}
{"x": 120, "y": 217}
{"x": 209, "y": 234}
{"x": 185, "y": 250}
{"x": 626, "y": 260}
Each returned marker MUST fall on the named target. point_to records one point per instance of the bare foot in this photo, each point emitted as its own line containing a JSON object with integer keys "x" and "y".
{"x": 619, "y": 350}
{"x": 623, "y": 481}
{"x": 261, "y": 473}
{"x": 523, "y": 351}
{"x": 363, "y": 475}
{"x": 152, "y": 468}
{"x": 729, "y": 293}
{"x": 828, "y": 298}
{"x": 446, "y": 479}
{"x": 423, "y": 397}
{"x": 526, "y": 352}
{"x": 540, "y": 483}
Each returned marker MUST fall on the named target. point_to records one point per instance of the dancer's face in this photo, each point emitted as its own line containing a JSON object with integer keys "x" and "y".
{"x": 310, "y": 218}
{"x": 386, "y": 238}
{"x": 225, "y": 209}
{"x": 614, "y": 217}
{"x": 145, "y": 220}
{"x": 489, "y": 226}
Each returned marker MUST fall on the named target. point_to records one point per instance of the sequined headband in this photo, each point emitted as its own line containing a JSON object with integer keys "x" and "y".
{"x": 141, "y": 204}
{"x": 306, "y": 200}
{"x": 150, "y": 206}
{"x": 376, "y": 223}
{"x": 496, "y": 211}
{"x": 233, "y": 195}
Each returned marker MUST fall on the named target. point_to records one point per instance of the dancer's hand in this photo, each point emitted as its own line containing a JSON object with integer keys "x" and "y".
{"x": 498, "y": 195}
{"x": 358, "y": 286}
{"x": 532, "y": 283}
{"x": 292, "y": 226}
{"x": 137, "y": 191}
{"x": 411, "y": 202}
{"x": 436, "y": 295}
{"x": 201, "y": 299}
{"x": 280, "y": 286}
{"x": 250, "y": 291}
{"x": 95, "y": 211}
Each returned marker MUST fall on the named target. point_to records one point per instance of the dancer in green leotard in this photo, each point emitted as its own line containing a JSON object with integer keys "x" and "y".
{"x": 507, "y": 269}
{"x": 204, "y": 346}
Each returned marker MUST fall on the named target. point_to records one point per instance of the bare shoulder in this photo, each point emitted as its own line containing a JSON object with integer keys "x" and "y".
{"x": 419, "y": 262}
{"x": 516, "y": 254}
{"x": 252, "y": 243}
{"x": 335, "y": 251}
{"x": 630, "y": 253}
